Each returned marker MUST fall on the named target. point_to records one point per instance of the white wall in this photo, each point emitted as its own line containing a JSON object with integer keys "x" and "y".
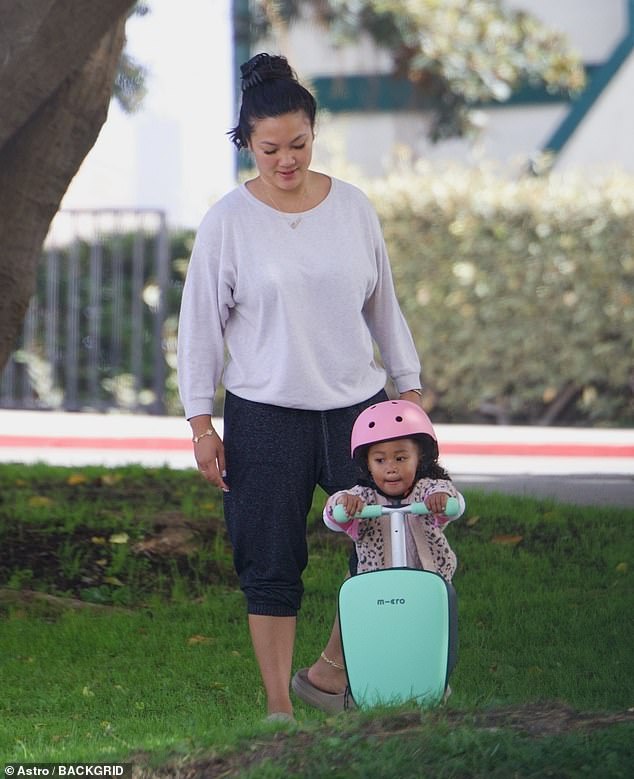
{"x": 604, "y": 141}
{"x": 370, "y": 140}
{"x": 593, "y": 27}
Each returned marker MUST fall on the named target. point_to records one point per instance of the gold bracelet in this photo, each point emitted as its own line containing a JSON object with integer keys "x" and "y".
{"x": 208, "y": 431}
{"x": 419, "y": 392}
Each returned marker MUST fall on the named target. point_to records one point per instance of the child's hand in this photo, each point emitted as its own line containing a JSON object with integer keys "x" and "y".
{"x": 351, "y": 503}
{"x": 437, "y": 502}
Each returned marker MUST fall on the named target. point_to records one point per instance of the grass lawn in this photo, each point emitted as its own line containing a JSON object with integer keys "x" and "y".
{"x": 123, "y": 637}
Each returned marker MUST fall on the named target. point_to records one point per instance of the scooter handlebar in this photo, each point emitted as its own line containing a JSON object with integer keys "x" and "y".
{"x": 373, "y": 511}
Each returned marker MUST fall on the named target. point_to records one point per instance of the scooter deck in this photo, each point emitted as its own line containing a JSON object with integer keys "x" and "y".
{"x": 396, "y": 627}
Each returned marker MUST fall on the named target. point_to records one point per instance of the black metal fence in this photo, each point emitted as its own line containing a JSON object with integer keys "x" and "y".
{"x": 93, "y": 336}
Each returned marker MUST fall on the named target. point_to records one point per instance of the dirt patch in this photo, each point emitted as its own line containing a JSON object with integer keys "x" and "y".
{"x": 538, "y": 721}
{"x": 531, "y": 720}
{"x": 173, "y": 535}
{"x": 93, "y": 561}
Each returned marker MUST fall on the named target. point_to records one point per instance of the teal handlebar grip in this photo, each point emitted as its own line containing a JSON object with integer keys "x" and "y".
{"x": 452, "y": 508}
{"x": 418, "y": 508}
{"x": 369, "y": 512}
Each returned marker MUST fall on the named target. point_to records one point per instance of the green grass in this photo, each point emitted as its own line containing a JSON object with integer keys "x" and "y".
{"x": 89, "y": 685}
{"x": 546, "y": 617}
{"x": 163, "y": 669}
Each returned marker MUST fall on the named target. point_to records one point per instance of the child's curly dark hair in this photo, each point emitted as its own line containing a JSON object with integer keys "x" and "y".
{"x": 428, "y": 465}
{"x": 432, "y": 470}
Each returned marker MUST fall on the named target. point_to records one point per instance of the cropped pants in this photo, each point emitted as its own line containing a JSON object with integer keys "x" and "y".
{"x": 275, "y": 457}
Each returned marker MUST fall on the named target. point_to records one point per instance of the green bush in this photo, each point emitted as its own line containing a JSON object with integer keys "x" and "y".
{"x": 520, "y": 294}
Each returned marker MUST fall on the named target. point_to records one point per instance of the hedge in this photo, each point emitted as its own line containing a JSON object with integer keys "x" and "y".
{"x": 519, "y": 293}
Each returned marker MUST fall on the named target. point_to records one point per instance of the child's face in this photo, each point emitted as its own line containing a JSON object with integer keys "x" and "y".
{"x": 393, "y": 464}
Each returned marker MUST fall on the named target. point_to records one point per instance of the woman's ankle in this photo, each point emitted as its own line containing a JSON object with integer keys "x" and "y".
{"x": 279, "y": 705}
{"x": 326, "y": 677}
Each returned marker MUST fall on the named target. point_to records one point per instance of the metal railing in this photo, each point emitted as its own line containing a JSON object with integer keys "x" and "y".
{"x": 93, "y": 334}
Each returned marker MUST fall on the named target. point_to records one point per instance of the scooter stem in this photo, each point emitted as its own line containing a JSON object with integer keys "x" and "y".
{"x": 397, "y": 537}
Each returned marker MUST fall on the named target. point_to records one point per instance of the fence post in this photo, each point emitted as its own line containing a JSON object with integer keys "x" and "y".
{"x": 162, "y": 277}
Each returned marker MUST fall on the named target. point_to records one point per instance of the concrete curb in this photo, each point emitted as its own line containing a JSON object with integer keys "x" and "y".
{"x": 116, "y": 439}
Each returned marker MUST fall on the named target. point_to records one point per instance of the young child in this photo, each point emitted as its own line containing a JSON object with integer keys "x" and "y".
{"x": 396, "y": 447}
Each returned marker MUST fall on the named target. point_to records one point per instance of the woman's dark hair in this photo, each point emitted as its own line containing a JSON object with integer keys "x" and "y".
{"x": 269, "y": 88}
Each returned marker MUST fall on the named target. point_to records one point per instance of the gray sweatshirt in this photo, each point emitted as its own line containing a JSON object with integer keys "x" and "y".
{"x": 298, "y": 310}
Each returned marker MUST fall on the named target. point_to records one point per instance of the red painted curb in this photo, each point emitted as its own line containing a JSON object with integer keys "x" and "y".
{"x": 540, "y": 450}
{"x": 178, "y": 444}
{"x": 80, "y": 442}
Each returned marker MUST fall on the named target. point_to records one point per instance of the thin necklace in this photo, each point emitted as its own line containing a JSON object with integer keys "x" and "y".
{"x": 298, "y": 218}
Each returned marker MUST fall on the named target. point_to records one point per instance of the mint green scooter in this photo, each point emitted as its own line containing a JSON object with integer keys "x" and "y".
{"x": 399, "y": 627}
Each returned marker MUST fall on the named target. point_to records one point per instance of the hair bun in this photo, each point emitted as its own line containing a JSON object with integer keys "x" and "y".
{"x": 264, "y": 67}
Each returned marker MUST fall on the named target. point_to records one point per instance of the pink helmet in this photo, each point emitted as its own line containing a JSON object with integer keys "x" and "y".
{"x": 389, "y": 420}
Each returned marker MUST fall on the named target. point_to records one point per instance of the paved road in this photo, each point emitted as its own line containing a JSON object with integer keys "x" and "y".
{"x": 580, "y": 466}
{"x": 578, "y": 489}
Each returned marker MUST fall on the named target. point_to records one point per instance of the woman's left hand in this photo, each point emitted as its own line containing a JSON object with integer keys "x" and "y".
{"x": 412, "y": 396}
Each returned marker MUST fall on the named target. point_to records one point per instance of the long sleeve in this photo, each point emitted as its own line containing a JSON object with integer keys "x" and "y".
{"x": 425, "y": 487}
{"x": 387, "y": 323}
{"x": 352, "y": 527}
{"x": 206, "y": 301}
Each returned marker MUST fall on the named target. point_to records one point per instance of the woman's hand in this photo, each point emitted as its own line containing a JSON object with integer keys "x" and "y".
{"x": 209, "y": 452}
{"x": 352, "y": 504}
{"x": 412, "y": 396}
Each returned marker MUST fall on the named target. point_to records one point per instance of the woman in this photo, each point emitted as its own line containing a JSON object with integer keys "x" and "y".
{"x": 289, "y": 278}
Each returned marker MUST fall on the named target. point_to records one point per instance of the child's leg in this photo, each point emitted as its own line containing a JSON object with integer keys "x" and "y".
{"x": 338, "y": 473}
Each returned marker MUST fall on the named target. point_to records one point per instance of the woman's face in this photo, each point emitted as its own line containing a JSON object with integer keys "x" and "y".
{"x": 282, "y": 147}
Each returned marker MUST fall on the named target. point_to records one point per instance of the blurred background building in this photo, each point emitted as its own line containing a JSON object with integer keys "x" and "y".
{"x": 371, "y": 112}
{"x": 174, "y": 154}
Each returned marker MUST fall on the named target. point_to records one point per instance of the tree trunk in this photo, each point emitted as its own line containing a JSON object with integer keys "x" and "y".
{"x": 42, "y": 42}
{"x": 50, "y": 129}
